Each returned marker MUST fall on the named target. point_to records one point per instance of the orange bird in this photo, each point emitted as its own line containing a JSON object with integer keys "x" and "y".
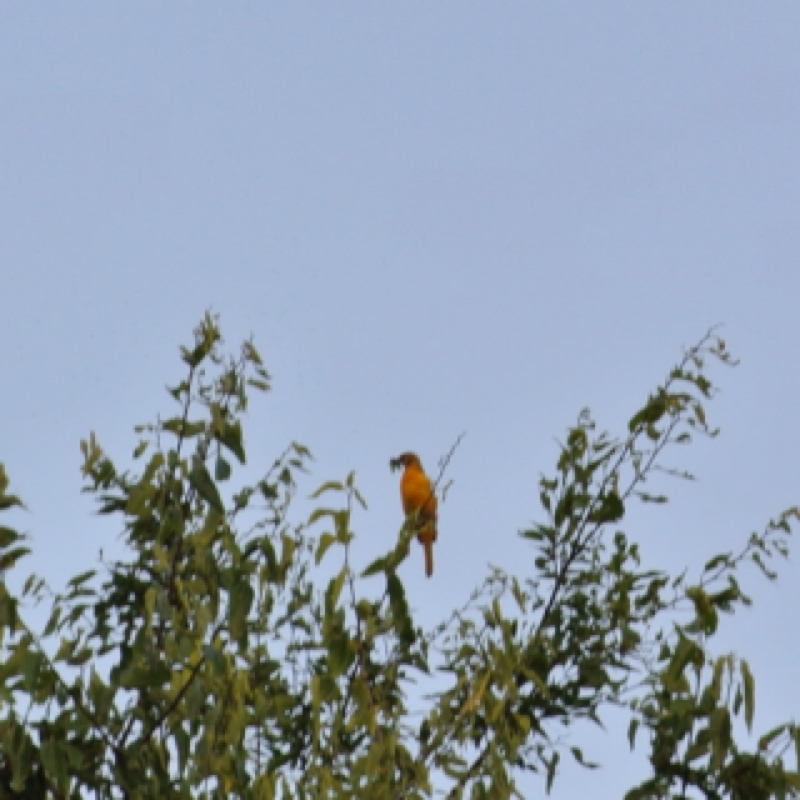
{"x": 417, "y": 494}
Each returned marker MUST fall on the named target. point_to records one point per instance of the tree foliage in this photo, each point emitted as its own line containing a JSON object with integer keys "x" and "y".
{"x": 233, "y": 651}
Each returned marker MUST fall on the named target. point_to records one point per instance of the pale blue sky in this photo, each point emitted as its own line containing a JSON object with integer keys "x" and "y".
{"x": 432, "y": 217}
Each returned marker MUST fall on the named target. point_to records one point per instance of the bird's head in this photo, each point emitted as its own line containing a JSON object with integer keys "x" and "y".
{"x": 405, "y": 460}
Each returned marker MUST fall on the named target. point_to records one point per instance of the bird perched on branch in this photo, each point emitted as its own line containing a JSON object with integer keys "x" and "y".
{"x": 419, "y": 500}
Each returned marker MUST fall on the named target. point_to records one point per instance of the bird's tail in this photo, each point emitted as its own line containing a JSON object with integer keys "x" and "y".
{"x": 428, "y": 557}
{"x": 427, "y": 536}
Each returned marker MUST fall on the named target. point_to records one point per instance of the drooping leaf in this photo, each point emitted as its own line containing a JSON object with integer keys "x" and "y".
{"x": 222, "y": 469}
{"x": 241, "y": 601}
{"x": 201, "y": 481}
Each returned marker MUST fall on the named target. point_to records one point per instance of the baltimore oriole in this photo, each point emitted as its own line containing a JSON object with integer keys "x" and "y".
{"x": 419, "y": 499}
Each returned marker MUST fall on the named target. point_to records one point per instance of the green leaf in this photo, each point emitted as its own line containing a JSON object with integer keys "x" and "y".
{"x": 552, "y": 766}
{"x": 720, "y": 729}
{"x": 78, "y": 580}
{"x": 319, "y": 513}
{"x": 723, "y": 559}
{"x": 697, "y": 750}
{"x": 399, "y": 606}
{"x": 54, "y": 762}
{"x": 379, "y": 565}
{"x": 52, "y": 622}
{"x": 686, "y": 652}
{"x": 334, "y": 590}
{"x": 231, "y": 437}
{"x": 268, "y": 551}
{"x": 204, "y": 486}
{"x": 65, "y": 650}
{"x": 216, "y": 658}
{"x": 82, "y": 657}
{"x": 222, "y": 469}
{"x": 611, "y": 509}
{"x": 325, "y": 541}
{"x": 241, "y": 601}
{"x": 9, "y": 500}
{"x": 518, "y": 594}
{"x": 706, "y": 619}
{"x": 768, "y": 738}
{"x": 184, "y": 428}
{"x": 749, "y": 693}
{"x": 289, "y": 547}
{"x": 31, "y": 664}
{"x": 633, "y": 726}
{"x": 646, "y": 497}
{"x": 653, "y": 411}
{"x": 101, "y": 695}
{"x": 9, "y": 536}
{"x": 577, "y": 754}
{"x": 329, "y": 486}
{"x": 23, "y": 756}
{"x": 565, "y": 506}
{"x": 340, "y": 653}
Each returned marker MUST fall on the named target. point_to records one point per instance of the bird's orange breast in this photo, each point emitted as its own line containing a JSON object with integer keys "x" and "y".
{"x": 417, "y": 493}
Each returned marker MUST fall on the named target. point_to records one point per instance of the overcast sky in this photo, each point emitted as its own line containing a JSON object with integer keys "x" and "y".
{"x": 433, "y": 217}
